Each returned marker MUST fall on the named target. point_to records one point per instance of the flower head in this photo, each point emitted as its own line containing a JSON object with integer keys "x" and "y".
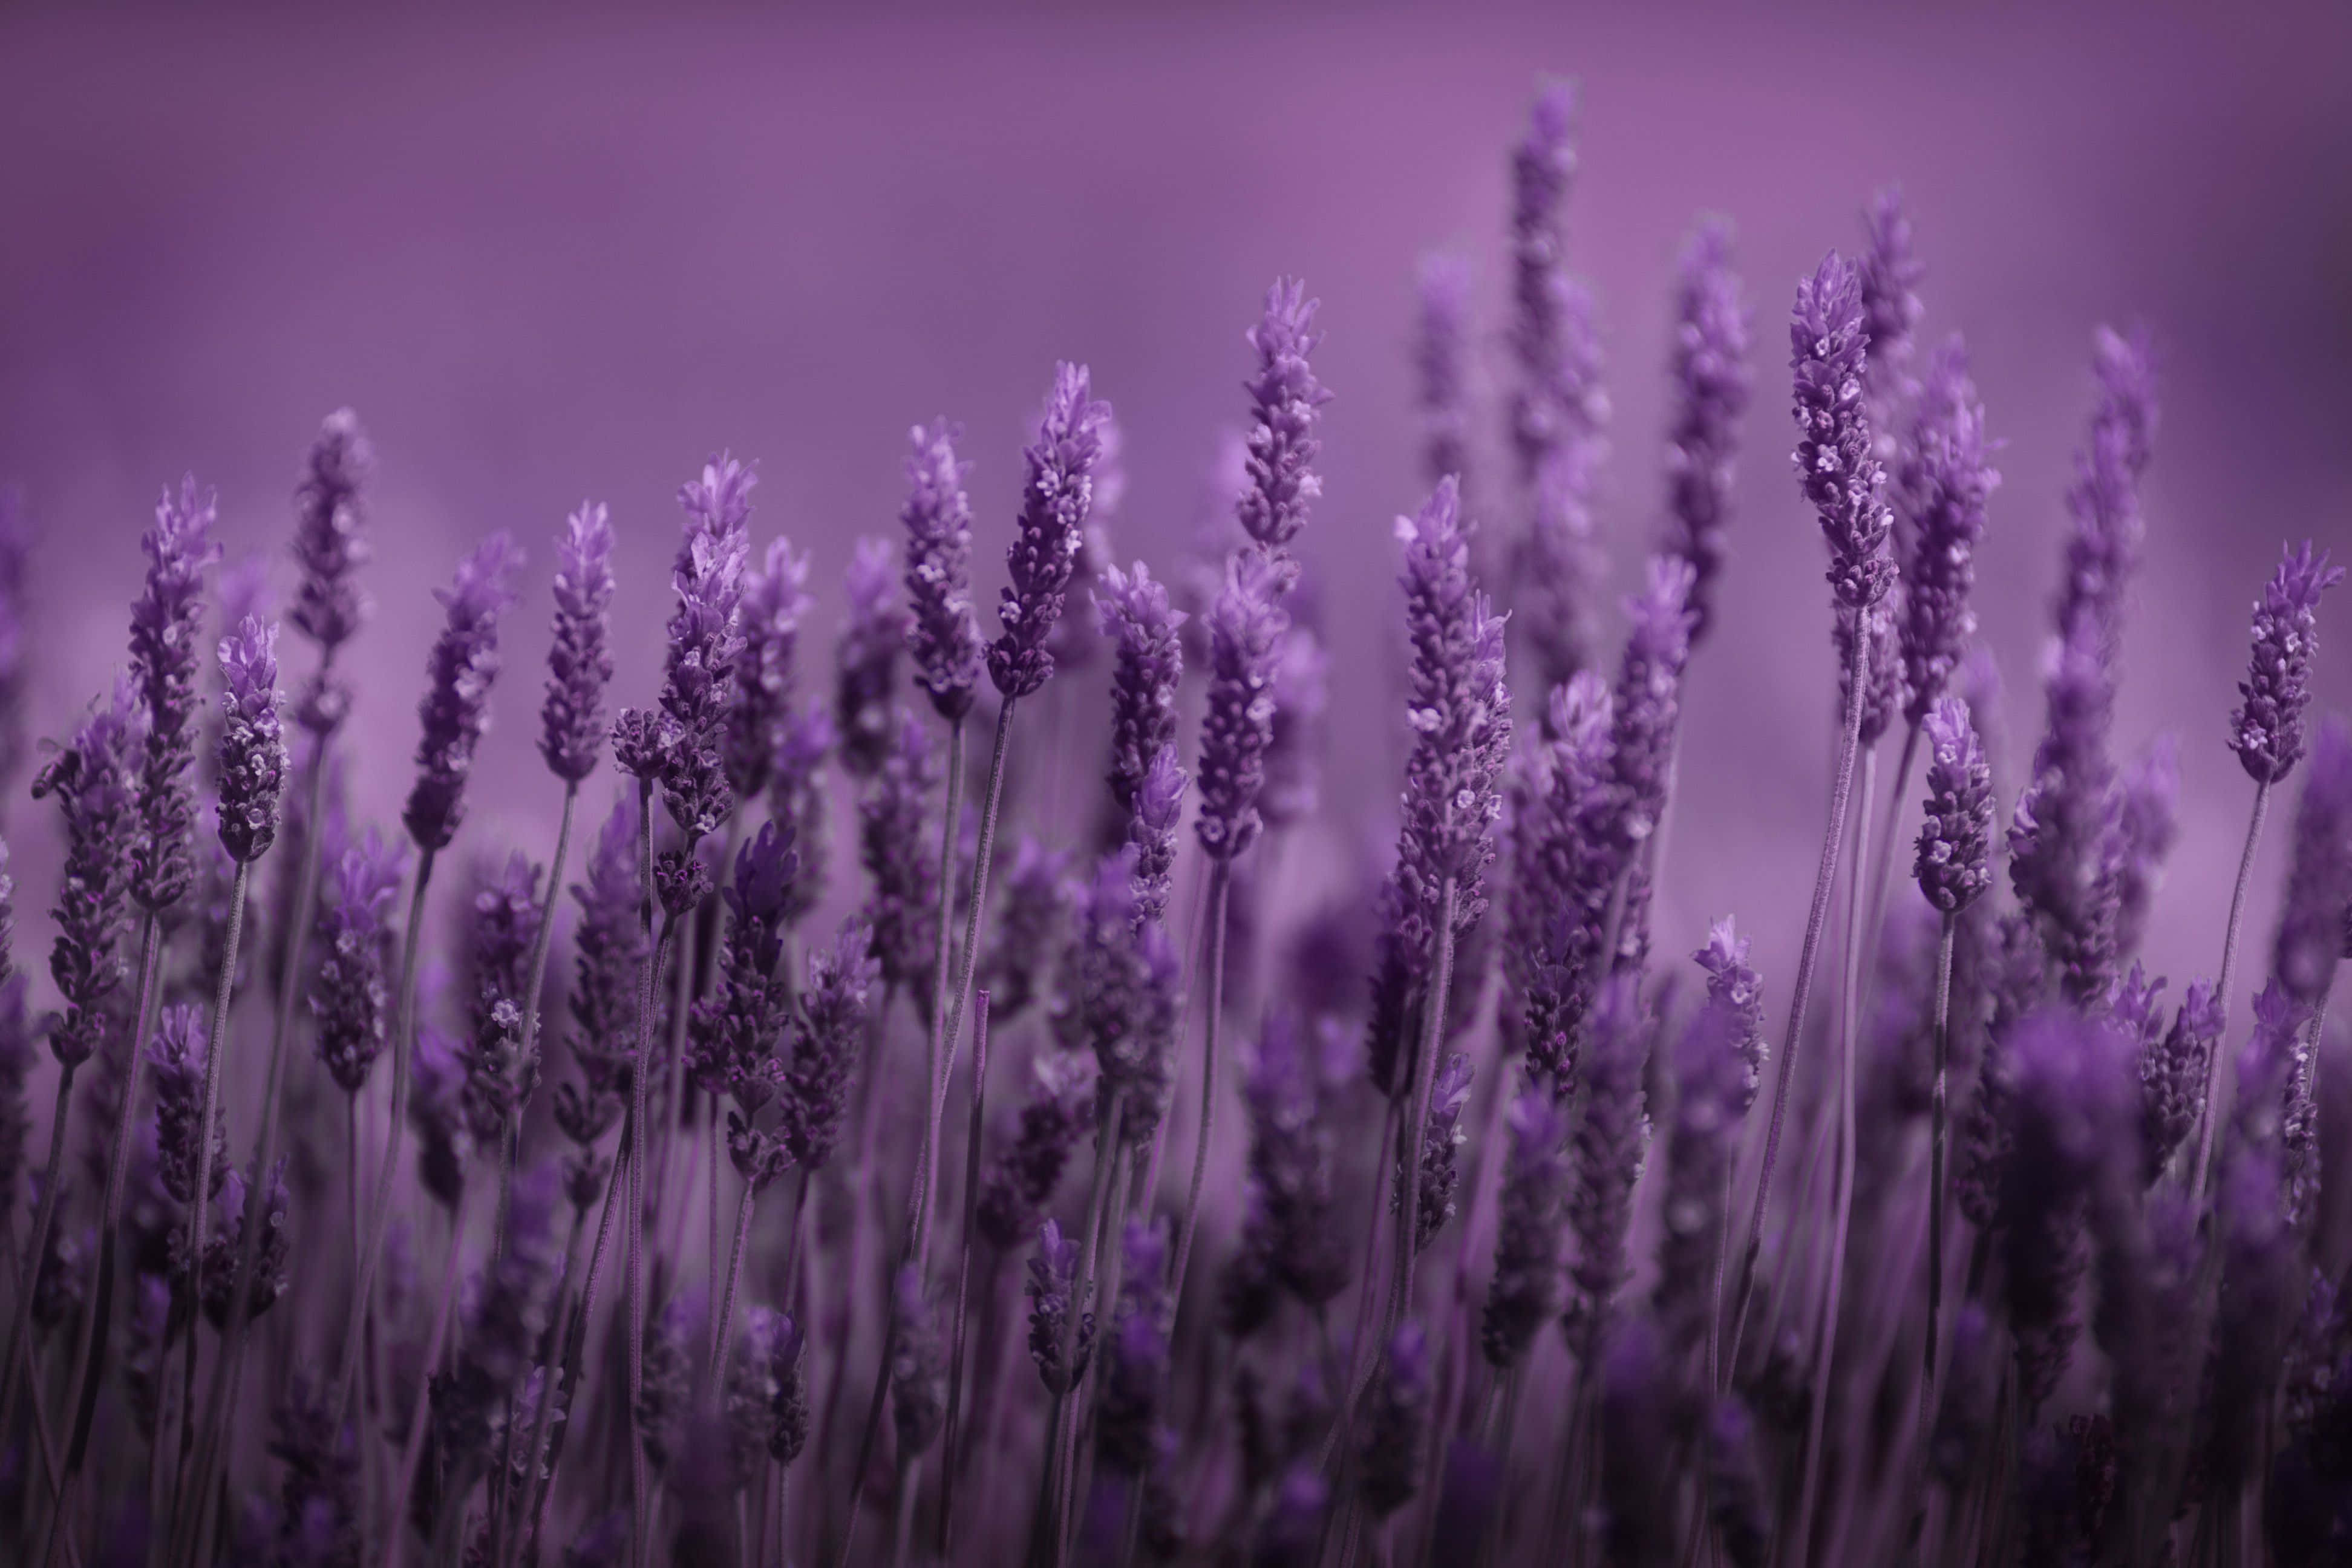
{"x": 1890, "y": 295}
{"x": 177, "y": 1054}
{"x": 826, "y": 1039}
{"x": 1954, "y": 864}
{"x": 1245, "y": 627}
{"x": 771, "y": 611}
{"x": 1059, "y": 1347}
{"x": 1442, "y": 356}
{"x": 2266, "y": 731}
{"x": 1946, "y": 482}
{"x": 866, "y": 658}
{"x": 1056, "y": 495}
{"x": 1836, "y": 466}
{"x": 455, "y": 708}
{"x": 1526, "y": 1292}
{"x": 94, "y": 780}
{"x": 578, "y": 659}
{"x": 1393, "y": 1447}
{"x": 919, "y": 1363}
{"x": 330, "y": 543}
{"x": 898, "y": 842}
{"x": 1606, "y": 1156}
{"x": 1135, "y": 611}
{"x": 252, "y": 754}
{"x": 1021, "y": 1181}
{"x": 1711, "y": 383}
{"x": 1159, "y": 807}
{"x": 350, "y": 987}
{"x": 2311, "y": 923}
{"x": 942, "y": 634}
{"x": 165, "y": 628}
{"x": 1285, "y": 400}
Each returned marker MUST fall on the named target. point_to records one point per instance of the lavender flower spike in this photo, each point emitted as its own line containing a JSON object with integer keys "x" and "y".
{"x": 866, "y": 659}
{"x": 1954, "y": 861}
{"x": 698, "y": 680}
{"x": 771, "y": 608}
{"x": 1052, "y": 1275}
{"x": 455, "y": 708}
{"x": 328, "y": 543}
{"x": 1246, "y": 627}
{"x": 2319, "y": 885}
{"x": 941, "y": 634}
{"x": 827, "y": 1040}
{"x": 1396, "y": 1424}
{"x": 1285, "y": 403}
{"x": 252, "y": 754}
{"x": 1524, "y": 1294}
{"x": 1159, "y": 805}
{"x": 1442, "y": 355}
{"x": 1055, "y": 498}
{"x": 1134, "y": 610}
{"x": 578, "y": 659}
{"x": 177, "y": 1054}
{"x": 1946, "y": 483}
{"x": 1711, "y": 385}
{"x": 1890, "y": 298}
{"x": 1606, "y": 1158}
{"x": 1839, "y": 472}
{"x": 164, "y": 630}
{"x": 93, "y": 780}
{"x": 2266, "y": 731}
{"x": 350, "y": 989}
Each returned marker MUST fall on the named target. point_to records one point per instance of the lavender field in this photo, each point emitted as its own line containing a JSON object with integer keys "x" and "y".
{"x": 1342, "y": 807}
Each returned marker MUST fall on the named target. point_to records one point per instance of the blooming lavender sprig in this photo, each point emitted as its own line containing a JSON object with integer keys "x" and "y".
{"x": 1954, "y": 864}
{"x": 2103, "y": 546}
{"x": 1525, "y": 1291}
{"x": 1606, "y": 1157}
{"x": 2173, "y": 1077}
{"x": 1556, "y": 937}
{"x": 2266, "y": 731}
{"x": 166, "y": 626}
{"x": 1732, "y": 985}
{"x": 1285, "y": 403}
{"x": 1946, "y": 485}
{"x": 579, "y": 655}
{"x": 705, "y": 641}
{"x": 329, "y": 544}
{"x": 1032, "y": 927}
{"x": 1056, "y": 496}
{"x": 1394, "y": 1445}
{"x": 826, "y": 1039}
{"x": 1558, "y": 400}
{"x": 1441, "y": 357}
{"x": 1158, "y": 808}
{"x": 437, "y": 1113}
{"x": 897, "y": 844}
{"x": 1246, "y": 627}
{"x": 1135, "y": 1355}
{"x": 2059, "y": 835}
{"x": 502, "y": 1326}
{"x": 1890, "y": 298}
{"x": 220, "y": 1264}
{"x": 734, "y": 1030}
{"x": 788, "y": 1414}
{"x": 942, "y": 634}
{"x": 773, "y": 604}
{"x": 1291, "y": 1240}
{"x": 1052, "y": 1275}
{"x": 501, "y": 928}
{"x": 1882, "y": 692}
{"x": 866, "y": 658}
{"x": 177, "y": 1054}
{"x": 95, "y": 781}
{"x": 1021, "y": 1182}
{"x": 251, "y": 766}
{"x": 1836, "y": 466}
{"x": 2147, "y": 821}
{"x": 1149, "y": 665}
{"x": 1436, "y": 1167}
{"x": 1709, "y": 364}
{"x": 1711, "y": 1093}
{"x": 1648, "y": 706}
{"x": 455, "y": 708}
{"x": 608, "y": 948}
{"x": 2312, "y": 919}
{"x": 796, "y": 797}
{"x": 349, "y": 989}
{"x": 1122, "y": 982}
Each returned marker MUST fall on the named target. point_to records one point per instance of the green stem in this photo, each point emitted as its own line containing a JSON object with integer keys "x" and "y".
{"x": 2209, "y": 1113}
{"x": 1220, "y": 872}
{"x": 726, "y": 1318}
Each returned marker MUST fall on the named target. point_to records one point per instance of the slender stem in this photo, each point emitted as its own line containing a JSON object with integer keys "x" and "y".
{"x": 1936, "y": 1192}
{"x": 949, "y": 1453}
{"x": 1107, "y": 1124}
{"x": 44, "y": 1216}
{"x": 1221, "y": 874}
{"x": 927, "y": 1162}
{"x": 1808, "y": 956}
{"x": 215, "y": 1049}
{"x": 1825, "y": 1362}
{"x": 576, "y": 1338}
{"x": 1416, "y": 1123}
{"x": 420, "y": 1413}
{"x": 2209, "y": 1113}
{"x": 726, "y": 1318}
{"x": 639, "y": 1112}
{"x": 380, "y": 1210}
{"x": 192, "y": 1533}
{"x": 1887, "y": 857}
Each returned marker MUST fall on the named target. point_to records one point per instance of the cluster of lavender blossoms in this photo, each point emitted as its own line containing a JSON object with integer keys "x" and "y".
{"x": 1257, "y": 1191}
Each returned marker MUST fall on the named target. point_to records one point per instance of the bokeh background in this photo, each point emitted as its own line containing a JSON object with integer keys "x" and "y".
{"x": 548, "y": 258}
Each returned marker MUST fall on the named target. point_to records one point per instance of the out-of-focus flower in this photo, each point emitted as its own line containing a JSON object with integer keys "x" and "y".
{"x": 455, "y": 708}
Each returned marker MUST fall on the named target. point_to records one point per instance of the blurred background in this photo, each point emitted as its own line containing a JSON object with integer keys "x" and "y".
{"x": 547, "y": 259}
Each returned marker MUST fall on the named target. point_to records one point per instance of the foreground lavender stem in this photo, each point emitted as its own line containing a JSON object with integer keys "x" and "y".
{"x": 950, "y": 1451}
{"x": 1221, "y": 877}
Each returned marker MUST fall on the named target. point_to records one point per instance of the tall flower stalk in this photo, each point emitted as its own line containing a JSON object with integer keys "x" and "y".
{"x": 1842, "y": 478}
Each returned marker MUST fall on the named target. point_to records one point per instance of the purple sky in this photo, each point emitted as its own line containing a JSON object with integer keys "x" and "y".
{"x": 547, "y": 262}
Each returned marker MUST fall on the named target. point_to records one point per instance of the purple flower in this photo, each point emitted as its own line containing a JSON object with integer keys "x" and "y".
{"x": 503, "y": 1324}
{"x": 1441, "y": 357}
{"x": 1021, "y": 1181}
{"x": 1836, "y": 467}
{"x": 1733, "y": 985}
{"x": 1890, "y": 298}
{"x": 607, "y": 950}
{"x": 1061, "y": 1354}
{"x": 771, "y": 612}
{"x": 222, "y": 1249}
{"x": 1557, "y": 565}
{"x": 578, "y": 659}
{"x": 1159, "y": 807}
{"x": 941, "y": 634}
{"x": 1148, "y": 666}
{"x": 94, "y": 780}
{"x": 1555, "y": 399}
{"x": 1436, "y": 1165}
{"x": 1395, "y": 1441}
{"x": 788, "y": 1414}
{"x": 1292, "y": 1238}
{"x": 1055, "y": 497}
{"x": 2059, "y": 840}
{"x": 252, "y": 755}
{"x": 796, "y": 797}
{"x": 2172, "y": 1077}
{"x": 2102, "y": 550}
{"x": 866, "y": 659}
{"x": 1033, "y": 924}
{"x": 1954, "y": 864}
{"x": 2258, "y": 1214}
{"x": 1135, "y": 1355}
{"x": 2311, "y": 923}
{"x": 705, "y": 641}
{"x": 827, "y": 1037}
{"x": 1122, "y": 999}
{"x": 2147, "y": 792}
{"x": 1711, "y": 384}
{"x": 1648, "y": 703}
{"x": 177, "y": 1054}
{"x": 1560, "y": 878}
{"x": 2266, "y": 731}
{"x": 1293, "y": 789}
{"x": 1882, "y": 692}
{"x": 1285, "y": 400}
{"x": 350, "y": 987}
{"x": 165, "y": 628}
{"x": 1606, "y": 1157}
{"x": 918, "y": 1365}
{"x": 501, "y": 924}
{"x": 1712, "y": 1074}
{"x": 1947, "y": 481}
{"x": 1525, "y": 1291}
{"x": 898, "y": 843}
{"x": 1245, "y": 627}
{"x": 734, "y": 1031}
{"x": 328, "y": 542}
{"x": 456, "y": 710}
